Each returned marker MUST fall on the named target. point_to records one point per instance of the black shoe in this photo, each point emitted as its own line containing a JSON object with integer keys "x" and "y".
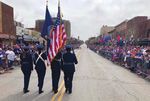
{"x": 26, "y": 91}
{"x": 55, "y": 91}
{"x": 70, "y": 91}
{"x": 66, "y": 91}
{"x": 40, "y": 92}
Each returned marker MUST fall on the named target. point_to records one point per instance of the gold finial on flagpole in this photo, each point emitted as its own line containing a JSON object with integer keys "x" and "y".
{"x": 46, "y": 3}
{"x": 59, "y": 3}
{"x": 60, "y": 10}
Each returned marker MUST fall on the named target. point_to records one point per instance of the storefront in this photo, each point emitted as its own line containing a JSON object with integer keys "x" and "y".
{"x": 26, "y": 39}
{"x": 7, "y": 40}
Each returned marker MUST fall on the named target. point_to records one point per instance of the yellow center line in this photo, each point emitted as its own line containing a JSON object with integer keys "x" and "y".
{"x": 62, "y": 94}
{"x": 63, "y": 89}
{"x": 59, "y": 89}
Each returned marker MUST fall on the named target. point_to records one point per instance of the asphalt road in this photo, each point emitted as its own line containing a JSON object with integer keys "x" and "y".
{"x": 95, "y": 79}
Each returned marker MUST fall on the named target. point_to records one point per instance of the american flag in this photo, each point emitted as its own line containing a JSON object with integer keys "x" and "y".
{"x": 60, "y": 31}
{"x": 57, "y": 37}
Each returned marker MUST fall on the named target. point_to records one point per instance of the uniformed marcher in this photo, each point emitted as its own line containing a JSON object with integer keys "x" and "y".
{"x": 26, "y": 67}
{"x": 40, "y": 66}
{"x": 56, "y": 69}
{"x": 69, "y": 61}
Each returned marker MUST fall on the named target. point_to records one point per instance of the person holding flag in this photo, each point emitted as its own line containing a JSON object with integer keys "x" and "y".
{"x": 56, "y": 39}
{"x": 56, "y": 65}
{"x": 60, "y": 38}
{"x": 41, "y": 56}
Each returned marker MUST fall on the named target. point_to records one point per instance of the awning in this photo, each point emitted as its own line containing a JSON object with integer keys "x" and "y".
{"x": 12, "y": 37}
{"x": 27, "y": 38}
{"x": 6, "y": 36}
{"x": 34, "y": 39}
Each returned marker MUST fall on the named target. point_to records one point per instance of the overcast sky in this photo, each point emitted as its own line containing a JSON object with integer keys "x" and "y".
{"x": 86, "y": 16}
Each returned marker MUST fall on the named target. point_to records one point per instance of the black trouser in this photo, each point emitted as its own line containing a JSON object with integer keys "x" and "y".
{"x": 27, "y": 74}
{"x": 68, "y": 77}
{"x": 41, "y": 76}
{"x": 128, "y": 60}
{"x": 133, "y": 64}
{"x": 10, "y": 63}
{"x": 55, "y": 78}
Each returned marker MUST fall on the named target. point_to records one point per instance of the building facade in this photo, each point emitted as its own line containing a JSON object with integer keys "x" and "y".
{"x": 147, "y": 34}
{"x": 26, "y": 34}
{"x": 136, "y": 27}
{"x": 121, "y": 29}
{"x": 39, "y": 26}
{"x": 7, "y": 27}
{"x": 19, "y": 28}
{"x": 106, "y": 29}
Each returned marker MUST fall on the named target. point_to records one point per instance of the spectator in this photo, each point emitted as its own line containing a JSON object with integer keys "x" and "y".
{"x": 1, "y": 56}
{"x": 10, "y": 58}
{"x": 136, "y": 58}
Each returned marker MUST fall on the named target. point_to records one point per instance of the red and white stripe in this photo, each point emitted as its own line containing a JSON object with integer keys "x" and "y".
{"x": 52, "y": 48}
{"x": 58, "y": 39}
{"x": 64, "y": 35}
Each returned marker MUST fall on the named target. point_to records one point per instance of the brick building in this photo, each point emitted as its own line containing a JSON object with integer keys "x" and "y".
{"x": 121, "y": 29}
{"x": 147, "y": 33}
{"x": 105, "y": 29}
{"x": 136, "y": 27}
{"x": 39, "y": 26}
{"x": 7, "y": 27}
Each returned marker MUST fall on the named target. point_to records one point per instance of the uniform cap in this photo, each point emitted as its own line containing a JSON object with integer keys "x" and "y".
{"x": 68, "y": 46}
{"x": 40, "y": 46}
{"x": 25, "y": 47}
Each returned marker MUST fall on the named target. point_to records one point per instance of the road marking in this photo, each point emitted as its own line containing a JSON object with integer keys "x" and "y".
{"x": 63, "y": 89}
{"x": 59, "y": 89}
{"x": 62, "y": 94}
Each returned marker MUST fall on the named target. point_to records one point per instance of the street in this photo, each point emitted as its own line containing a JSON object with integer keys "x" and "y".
{"x": 95, "y": 79}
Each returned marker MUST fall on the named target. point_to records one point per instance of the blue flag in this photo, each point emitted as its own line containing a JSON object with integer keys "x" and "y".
{"x": 48, "y": 23}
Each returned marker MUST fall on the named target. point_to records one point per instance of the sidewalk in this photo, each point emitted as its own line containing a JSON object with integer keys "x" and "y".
{"x": 2, "y": 71}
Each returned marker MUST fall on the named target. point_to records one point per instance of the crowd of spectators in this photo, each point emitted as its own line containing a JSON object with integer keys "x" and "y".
{"x": 133, "y": 57}
{"x": 76, "y": 43}
{"x": 10, "y": 55}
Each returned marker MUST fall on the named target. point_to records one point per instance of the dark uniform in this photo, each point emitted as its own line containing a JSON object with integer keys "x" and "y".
{"x": 40, "y": 67}
{"x": 26, "y": 67}
{"x": 69, "y": 59}
{"x": 56, "y": 69}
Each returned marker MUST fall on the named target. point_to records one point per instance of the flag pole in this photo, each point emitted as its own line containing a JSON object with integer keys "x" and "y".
{"x": 61, "y": 14}
{"x": 59, "y": 3}
{"x": 46, "y": 3}
{"x": 47, "y": 63}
